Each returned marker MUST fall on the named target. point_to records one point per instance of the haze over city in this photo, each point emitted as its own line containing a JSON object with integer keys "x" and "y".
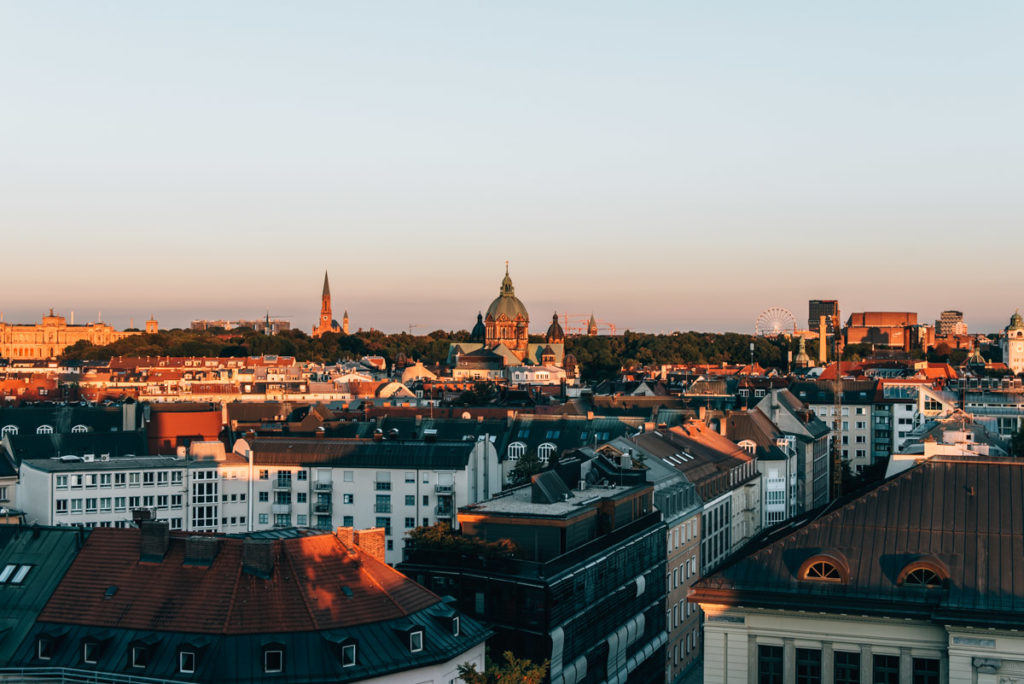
{"x": 668, "y": 167}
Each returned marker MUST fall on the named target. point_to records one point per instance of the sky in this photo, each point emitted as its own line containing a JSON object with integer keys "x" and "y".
{"x": 665, "y": 165}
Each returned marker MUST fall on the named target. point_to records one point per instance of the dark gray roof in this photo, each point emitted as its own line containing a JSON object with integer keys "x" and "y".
{"x": 963, "y": 515}
{"x": 61, "y": 418}
{"x": 361, "y": 453}
{"x": 59, "y": 444}
{"x": 56, "y": 465}
{"x": 49, "y": 550}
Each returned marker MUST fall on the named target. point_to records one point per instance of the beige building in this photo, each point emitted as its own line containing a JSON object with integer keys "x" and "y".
{"x": 917, "y": 581}
{"x": 50, "y": 338}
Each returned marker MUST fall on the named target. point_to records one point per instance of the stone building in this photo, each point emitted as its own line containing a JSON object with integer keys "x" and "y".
{"x": 50, "y": 338}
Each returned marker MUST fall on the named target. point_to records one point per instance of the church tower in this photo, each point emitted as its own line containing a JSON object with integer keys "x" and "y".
{"x": 326, "y": 324}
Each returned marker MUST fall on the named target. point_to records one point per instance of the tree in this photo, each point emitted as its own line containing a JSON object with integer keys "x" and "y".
{"x": 514, "y": 671}
{"x": 527, "y": 466}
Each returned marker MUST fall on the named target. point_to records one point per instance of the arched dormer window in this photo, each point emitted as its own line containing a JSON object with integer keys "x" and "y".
{"x": 825, "y": 567}
{"x": 516, "y": 450}
{"x": 8, "y": 430}
{"x": 924, "y": 574}
{"x": 44, "y": 430}
{"x": 80, "y": 428}
{"x": 544, "y": 452}
{"x": 748, "y": 445}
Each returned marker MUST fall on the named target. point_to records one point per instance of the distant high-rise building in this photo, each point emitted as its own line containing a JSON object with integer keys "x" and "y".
{"x": 950, "y": 323}
{"x": 816, "y": 308}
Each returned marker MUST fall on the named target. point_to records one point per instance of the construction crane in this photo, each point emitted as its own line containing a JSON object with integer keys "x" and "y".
{"x": 578, "y": 324}
{"x": 412, "y": 326}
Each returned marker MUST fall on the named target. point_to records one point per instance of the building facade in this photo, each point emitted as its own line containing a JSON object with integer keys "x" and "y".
{"x": 1012, "y": 344}
{"x": 49, "y": 339}
{"x": 326, "y": 322}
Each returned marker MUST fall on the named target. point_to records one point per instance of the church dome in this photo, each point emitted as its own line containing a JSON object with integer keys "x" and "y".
{"x": 507, "y": 303}
{"x": 555, "y": 332}
{"x": 479, "y": 330}
{"x": 1016, "y": 321}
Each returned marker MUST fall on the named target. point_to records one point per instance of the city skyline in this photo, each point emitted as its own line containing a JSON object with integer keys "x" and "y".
{"x": 674, "y": 168}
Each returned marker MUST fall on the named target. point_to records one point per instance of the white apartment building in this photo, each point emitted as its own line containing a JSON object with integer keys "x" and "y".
{"x": 269, "y": 483}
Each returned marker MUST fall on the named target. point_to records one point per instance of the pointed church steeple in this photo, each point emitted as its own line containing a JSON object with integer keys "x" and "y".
{"x": 326, "y": 323}
{"x": 327, "y": 286}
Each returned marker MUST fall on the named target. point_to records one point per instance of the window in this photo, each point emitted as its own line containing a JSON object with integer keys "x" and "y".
{"x": 823, "y": 569}
{"x": 416, "y": 641}
{"x": 346, "y": 521}
{"x": 885, "y": 669}
{"x": 300, "y": 497}
{"x": 90, "y": 652}
{"x": 302, "y": 475}
{"x": 382, "y": 486}
{"x": 139, "y": 656}
{"x": 301, "y": 520}
{"x": 8, "y": 430}
{"x": 516, "y": 450}
{"x": 62, "y": 482}
{"x": 769, "y": 664}
{"x": 348, "y": 655}
{"x": 264, "y": 497}
{"x": 922, "y": 576}
{"x": 264, "y": 518}
{"x": 134, "y": 479}
{"x": 410, "y": 477}
{"x": 161, "y": 478}
{"x": 44, "y": 430}
{"x": 926, "y": 671}
{"x": 119, "y": 503}
{"x": 383, "y": 504}
{"x": 348, "y": 498}
{"x": 133, "y": 501}
{"x": 90, "y": 480}
{"x": 14, "y": 573}
{"x": 410, "y": 499}
{"x": 847, "y": 667}
{"x": 44, "y": 648}
{"x": 426, "y": 499}
{"x": 105, "y": 480}
{"x": 148, "y": 479}
{"x": 455, "y": 625}
{"x": 105, "y": 504}
{"x": 61, "y": 506}
{"x": 347, "y": 476}
{"x": 282, "y": 520}
{"x": 410, "y": 523}
{"x": 186, "y": 662}
{"x": 273, "y": 660}
{"x": 176, "y": 477}
{"x": 119, "y": 479}
{"x": 176, "y": 500}
{"x": 386, "y": 524}
{"x": 90, "y": 505}
{"x": 808, "y": 666}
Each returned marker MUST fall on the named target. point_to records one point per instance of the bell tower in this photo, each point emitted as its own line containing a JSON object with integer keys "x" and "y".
{"x": 326, "y": 323}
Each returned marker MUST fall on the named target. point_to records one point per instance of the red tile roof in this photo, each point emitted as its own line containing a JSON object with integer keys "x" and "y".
{"x": 305, "y": 591}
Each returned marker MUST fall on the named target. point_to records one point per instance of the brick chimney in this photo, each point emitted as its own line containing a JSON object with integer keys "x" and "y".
{"x": 371, "y": 542}
{"x": 155, "y": 538}
{"x": 258, "y": 557}
{"x": 347, "y": 537}
{"x": 201, "y": 550}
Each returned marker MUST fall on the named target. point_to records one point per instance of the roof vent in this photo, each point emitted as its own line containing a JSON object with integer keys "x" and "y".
{"x": 110, "y": 592}
{"x": 155, "y": 538}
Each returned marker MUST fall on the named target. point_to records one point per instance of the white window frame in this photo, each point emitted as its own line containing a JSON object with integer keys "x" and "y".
{"x": 181, "y": 662}
{"x": 266, "y": 665}
{"x": 348, "y": 655}
{"x": 416, "y": 641}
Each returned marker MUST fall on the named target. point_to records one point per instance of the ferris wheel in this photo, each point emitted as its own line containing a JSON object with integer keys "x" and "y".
{"x": 774, "y": 321}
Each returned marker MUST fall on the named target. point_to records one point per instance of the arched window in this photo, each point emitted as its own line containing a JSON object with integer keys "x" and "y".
{"x": 544, "y": 452}
{"x": 748, "y": 445}
{"x": 825, "y": 567}
{"x": 923, "y": 574}
{"x": 516, "y": 450}
{"x": 9, "y": 430}
{"x": 80, "y": 428}
{"x": 44, "y": 430}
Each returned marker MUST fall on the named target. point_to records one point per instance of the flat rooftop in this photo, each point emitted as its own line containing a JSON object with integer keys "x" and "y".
{"x": 519, "y": 501}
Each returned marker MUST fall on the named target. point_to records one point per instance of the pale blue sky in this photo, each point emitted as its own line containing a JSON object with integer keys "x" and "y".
{"x": 668, "y": 165}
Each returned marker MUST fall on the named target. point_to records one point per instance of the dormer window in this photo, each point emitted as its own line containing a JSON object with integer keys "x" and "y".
{"x": 455, "y": 626}
{"x": 140, "y": 656}
{"x": 90, "y": 652}
{"x": 44, "y": 648}
{"x": 348, "y": 655}
{"x": 923, "y": 574}
{"x": 273, "y": 660}
{"x": 186, "y": 662}
{"x": 416, "y": 641}
{"x": 825, "y": 568}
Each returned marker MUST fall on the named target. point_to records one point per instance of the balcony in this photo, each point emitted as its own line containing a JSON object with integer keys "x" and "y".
{"x": 281, "y": 508}
{"x": 322, "y": 485}
{"x": 283, "y": 483}
{"x": 443, "y": 489}
{"x": 443, "y": 511}
{"x": 323, "y": 507}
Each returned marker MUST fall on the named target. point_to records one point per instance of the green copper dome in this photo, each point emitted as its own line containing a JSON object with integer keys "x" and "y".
{"x": 1016, "y": 321}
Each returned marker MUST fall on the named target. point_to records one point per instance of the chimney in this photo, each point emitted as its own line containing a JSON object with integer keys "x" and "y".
{"x": 201, "y": 550}
{"x": 346, "y": 536}
{"x": 156, "y": 536}
{"x": 371, "y": 542}
{"x": 140, "y": 514}
{"x": 822, "y": 342}
{"x": 258, "y": 557}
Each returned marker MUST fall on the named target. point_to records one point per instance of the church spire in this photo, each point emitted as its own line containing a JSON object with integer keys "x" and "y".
{"x": 327, "y": 286}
